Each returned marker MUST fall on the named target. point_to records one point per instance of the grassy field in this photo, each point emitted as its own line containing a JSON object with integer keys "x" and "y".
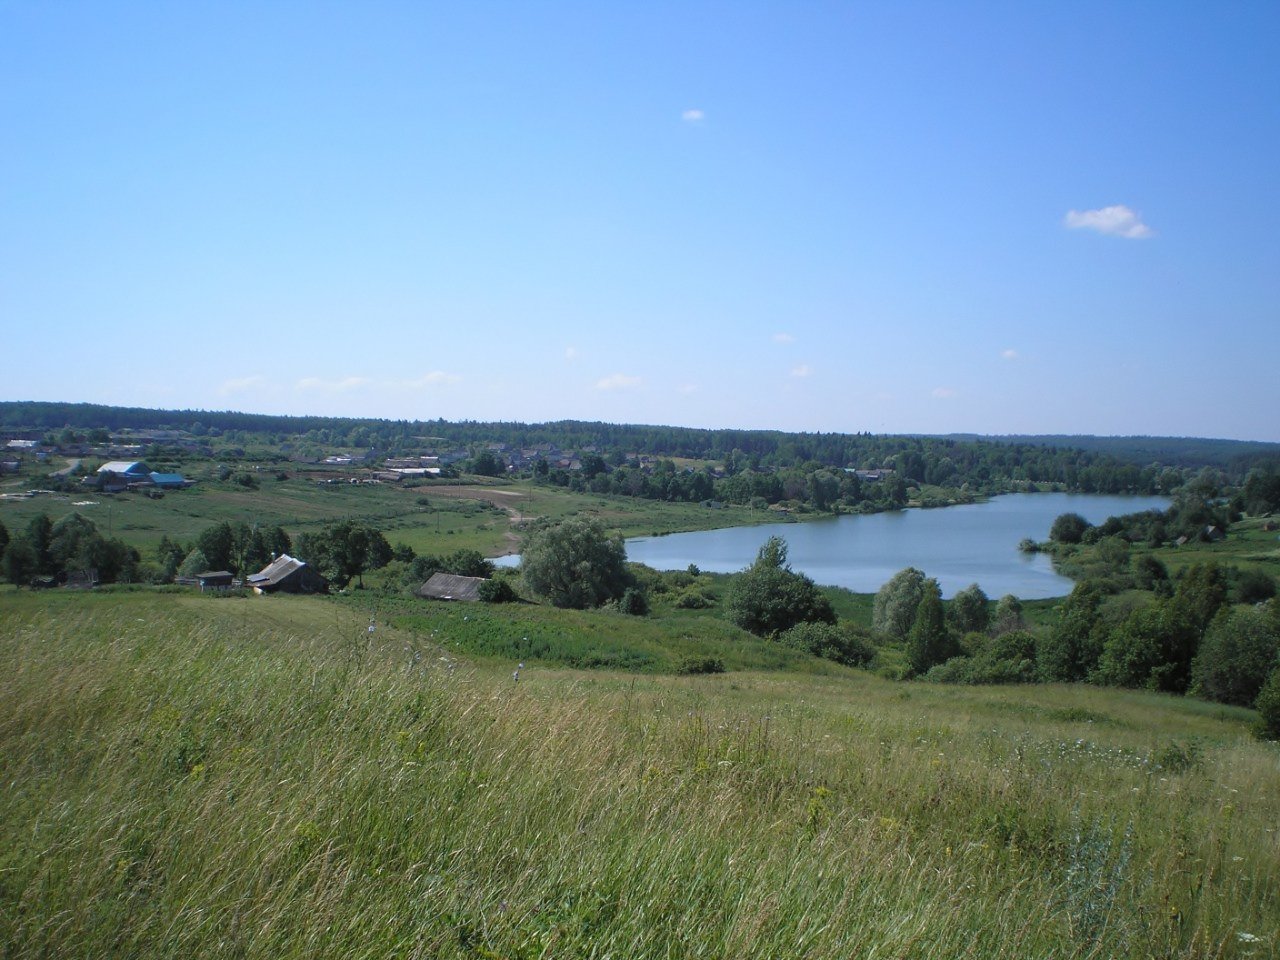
{"x": 486, "y": 515}
{"x": 188, "y": 776}
{"x": 1247, "y": 545}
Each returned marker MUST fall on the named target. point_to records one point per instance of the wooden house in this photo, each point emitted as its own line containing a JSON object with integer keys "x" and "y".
{"x": 449, "y": 586}
{"x": 286, "y": 574}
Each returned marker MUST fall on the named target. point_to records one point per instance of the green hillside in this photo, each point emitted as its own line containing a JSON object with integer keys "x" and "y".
{"x": 188, "y": 776}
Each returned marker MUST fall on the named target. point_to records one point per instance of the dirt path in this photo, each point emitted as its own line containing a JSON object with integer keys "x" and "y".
{"x": 66, "y": 471}
{"x": 502, "y": 499}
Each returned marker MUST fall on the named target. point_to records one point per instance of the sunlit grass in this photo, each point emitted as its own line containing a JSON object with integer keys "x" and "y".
{"x": 263, "y": 778}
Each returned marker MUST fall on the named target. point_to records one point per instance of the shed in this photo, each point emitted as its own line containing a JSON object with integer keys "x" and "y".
{"x": 286, "y": 574}
{"x": 168, "y": 481}
{"x": 450, "y": 586}
{"x": 85, "y": 579}
{"x": 215, "y": 580}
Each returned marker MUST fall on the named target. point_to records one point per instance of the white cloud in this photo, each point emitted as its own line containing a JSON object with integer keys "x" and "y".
{"x": 803, "y": 370}
{"x": 241, "y": 384}
{"x": 783, "y": 338}
{"x": 693, "y": 116}
{"x": 618, "y": 381}
{"x": 1116, "y": 221}
{"x": 332, "y": 386}
{"x": 1009, "y": 354}
{"x": 571, "y": 354}
{"x": 943, "y": 393}
{"x": 687, "y": 388}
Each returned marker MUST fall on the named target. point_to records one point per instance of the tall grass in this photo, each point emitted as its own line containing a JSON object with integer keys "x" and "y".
{"x": 264, "y": 778}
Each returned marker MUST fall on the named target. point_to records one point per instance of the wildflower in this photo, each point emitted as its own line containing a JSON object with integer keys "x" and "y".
{"x": 1247, "y": 937}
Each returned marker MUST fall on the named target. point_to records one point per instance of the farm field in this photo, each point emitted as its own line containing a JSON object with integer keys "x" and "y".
{"x": 264, "y": 777}
{"x": 432, "y": 518}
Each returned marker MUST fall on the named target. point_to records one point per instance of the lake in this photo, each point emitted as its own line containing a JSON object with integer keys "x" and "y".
{"x": 974, "y": 543}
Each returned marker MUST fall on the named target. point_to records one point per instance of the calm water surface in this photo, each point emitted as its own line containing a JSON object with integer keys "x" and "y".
{"x": 975, "y": 543}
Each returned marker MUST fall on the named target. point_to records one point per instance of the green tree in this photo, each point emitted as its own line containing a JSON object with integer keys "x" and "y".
{"x": 894, "y": 609}
{"x": 487, "y": 464}
{"x": 1153, "y": 647}
{"x": 75, "y": 544}
{"x": 1068, "y": 528}
{"x": 574, "y": 564}
{"x": 468, "y": 563}
{"x": 968, "y": 610}
{"x": 39, "y": 537}
{"x": 20, "y": 561}
{"x": 194, "y": 564}
{"x": 4, "y": 538}
{"x": 929, "y": 642}
{"x": 169, "y": 554}
{"x": 344, "y": 551}
{"x": 1069, "y": 651}
{"x": 217, "y": 543}
{"x": 1239, "y": 651}
{"x": 769, "y": 597}
{"x": 1008, "y": 615}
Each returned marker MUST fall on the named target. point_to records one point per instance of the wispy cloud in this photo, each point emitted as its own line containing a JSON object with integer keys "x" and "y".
{"x": 687, "y": 388}
{"x": 1115, "y": 221}
{"x": 803, "y": 370}
{"x": 241, "y": 384}
{"x": 783, "y": 338}
{"x": 1009, "y": 354}
{"x": 943, "y": 393}
{"x": 618, "y": 381}
{"x": 693, "y": 115}
{"x": 571, "y": 354}
{"x": 332, "y": 386}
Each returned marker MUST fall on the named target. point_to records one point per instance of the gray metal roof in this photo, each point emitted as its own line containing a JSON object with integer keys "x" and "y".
{"x": 450, "y": 586}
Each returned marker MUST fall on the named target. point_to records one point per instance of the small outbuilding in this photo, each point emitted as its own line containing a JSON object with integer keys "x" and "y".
{"x": 85, "y": 579}
{"x": 286, "y": 574}
{"x": 215, "y": 580}
{"x": 168, "y": 481}
{"x": 450, "y": 586}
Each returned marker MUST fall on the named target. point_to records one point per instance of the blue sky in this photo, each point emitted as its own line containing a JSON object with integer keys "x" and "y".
{"x": 894, "y": 217}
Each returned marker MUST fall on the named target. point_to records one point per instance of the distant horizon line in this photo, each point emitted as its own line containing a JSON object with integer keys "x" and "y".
{"x": 949, "y": 435}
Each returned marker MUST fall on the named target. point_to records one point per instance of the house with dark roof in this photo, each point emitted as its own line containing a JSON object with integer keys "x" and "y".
{"x": 215, "y": 580}
{"x": 286, "y": 574}
{"x": 450, "y": 586}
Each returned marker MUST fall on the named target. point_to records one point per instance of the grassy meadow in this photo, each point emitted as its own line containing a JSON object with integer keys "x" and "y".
{"x": 263, "y": 777}
{"x": 437, "y": 518}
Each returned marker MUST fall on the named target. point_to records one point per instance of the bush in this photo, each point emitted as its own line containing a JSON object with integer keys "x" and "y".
{"x": 633, "y": 602}
{"x": 1008, "y": 658}
{"x": 1268, "y": 707}
{"x": 695, "y": 598}
{"x": 843, "y": 644}
{"x": 695, "y": 665}
{"x": 496, "y": 590}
